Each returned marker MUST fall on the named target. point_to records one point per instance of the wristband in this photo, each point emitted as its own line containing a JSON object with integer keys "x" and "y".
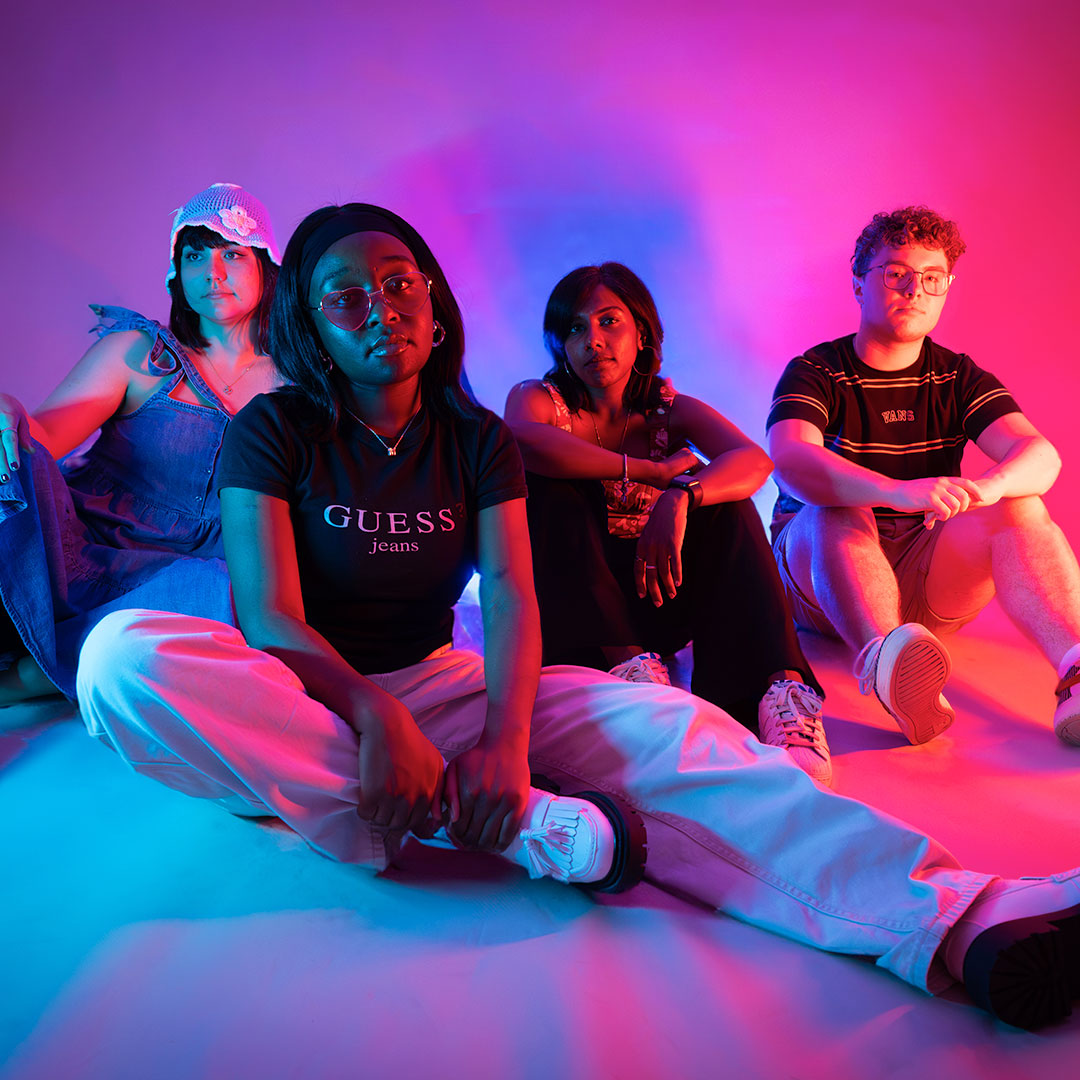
{"x": 692, "y": 488}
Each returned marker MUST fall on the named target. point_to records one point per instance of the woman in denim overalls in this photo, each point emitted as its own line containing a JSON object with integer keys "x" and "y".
{"x": 134, "y": 522}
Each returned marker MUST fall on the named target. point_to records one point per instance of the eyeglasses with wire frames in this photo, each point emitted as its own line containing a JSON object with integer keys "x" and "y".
{"x": 348, "y": 309}
{"x": 898, "y": 277}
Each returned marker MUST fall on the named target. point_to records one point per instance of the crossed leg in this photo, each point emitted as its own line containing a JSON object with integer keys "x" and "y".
{"x": 732, "y": 822}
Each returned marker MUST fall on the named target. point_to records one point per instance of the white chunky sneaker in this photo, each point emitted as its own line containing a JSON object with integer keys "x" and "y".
{"x": 907, "y": 669}
{"x": 1067, "y": 713}
{"x": 789, "y": 715}
{"x": 646, "y": 667}
{"x": 589, "y": 839}
{"x": 1017, "y": 949}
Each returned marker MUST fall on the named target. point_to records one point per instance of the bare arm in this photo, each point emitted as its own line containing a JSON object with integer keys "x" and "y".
{"x": 487, "y": 786}
{"x": 511, "y": 621}
{"x": 550, "y": 451}
{"x": 738, "y": 467}
{"x": 94, "y": 389}
{"x": 400, "y": 771}
{"x": 819, "y": 477}
{"x": 1026, "y": 463}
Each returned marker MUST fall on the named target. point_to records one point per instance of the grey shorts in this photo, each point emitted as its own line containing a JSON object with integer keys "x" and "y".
{"x": 909, "y": 547}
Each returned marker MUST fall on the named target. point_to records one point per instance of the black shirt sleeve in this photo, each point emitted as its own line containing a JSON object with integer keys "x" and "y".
{"x": 805, "y": 392}
{"x": 261, "y": 451}
{"x": 983, "y": 399}
{"x": 500, "y": 474}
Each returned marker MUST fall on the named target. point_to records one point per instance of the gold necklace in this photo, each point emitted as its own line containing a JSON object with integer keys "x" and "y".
{"x": 622, "y": 487}
{"x": 227, "y": 386}
{"x": 391, "y": 451}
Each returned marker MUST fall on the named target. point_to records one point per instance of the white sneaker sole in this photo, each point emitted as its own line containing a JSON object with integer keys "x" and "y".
{"x": 918, "y": 668}
{"x": 811, "y": 763}
{"x": 1067, "y": 729}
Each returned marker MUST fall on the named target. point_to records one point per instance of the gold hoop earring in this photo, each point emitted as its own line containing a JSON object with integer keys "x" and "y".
{"x": 440, "y": 332}
{"x": 650, "y": 372}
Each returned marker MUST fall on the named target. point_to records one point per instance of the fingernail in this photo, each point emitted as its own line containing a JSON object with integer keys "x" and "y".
{"x": 4, "y": 478}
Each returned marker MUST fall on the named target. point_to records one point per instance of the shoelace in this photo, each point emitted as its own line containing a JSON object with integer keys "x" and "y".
{"x": 865, "y": 667}
{"x": 645, "y": 667}
{"x": 798, "y": 710}
{"x": 550, "y": 847}
{"x": 1064, "y": 689}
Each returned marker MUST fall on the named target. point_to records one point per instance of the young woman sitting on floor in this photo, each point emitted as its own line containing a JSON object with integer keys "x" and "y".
{"x": 134, "y": 521}
{"x": 637, "y": 548}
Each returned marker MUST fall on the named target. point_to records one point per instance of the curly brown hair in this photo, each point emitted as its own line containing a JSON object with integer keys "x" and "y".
{"x": 908, "y": 225}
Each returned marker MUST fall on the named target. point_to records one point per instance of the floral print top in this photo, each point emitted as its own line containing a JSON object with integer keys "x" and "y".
{"x": 628, "y": 512}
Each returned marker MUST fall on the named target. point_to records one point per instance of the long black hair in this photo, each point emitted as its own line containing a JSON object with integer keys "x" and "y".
{"x": 184, "y": 322}
{"x": 643, "y": 388}
{"x": 294, "y": 339}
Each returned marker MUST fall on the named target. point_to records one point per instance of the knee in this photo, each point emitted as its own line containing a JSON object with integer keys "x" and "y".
{"x": 827, "y": 524}
{"x": 109, "y": 653}
{"x": 131, "y": 650}
{"x": 1024, "y": 512}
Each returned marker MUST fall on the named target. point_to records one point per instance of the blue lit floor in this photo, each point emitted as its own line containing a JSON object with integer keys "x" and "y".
{"x": 146, "y": 935}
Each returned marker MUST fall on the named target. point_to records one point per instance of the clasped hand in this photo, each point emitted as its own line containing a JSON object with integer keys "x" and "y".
{"x": 400, "y": 774}
{"x": 942, "y": 497}
{"x": 480, "y": 796}
{"x": 486, "y": 791}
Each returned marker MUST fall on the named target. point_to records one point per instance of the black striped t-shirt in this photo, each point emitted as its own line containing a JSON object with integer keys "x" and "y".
{"x": 903, "y": 424}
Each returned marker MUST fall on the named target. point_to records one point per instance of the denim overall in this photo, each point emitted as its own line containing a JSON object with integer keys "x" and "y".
{"x": 134, "y": 522}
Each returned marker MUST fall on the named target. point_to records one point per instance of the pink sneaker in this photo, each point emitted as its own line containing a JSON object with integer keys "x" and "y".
{"x": 1067, "y": 713}
{"x": 789, "y": 715}
{"x": 645, "y": 667}
{"x": 907, "y": 669}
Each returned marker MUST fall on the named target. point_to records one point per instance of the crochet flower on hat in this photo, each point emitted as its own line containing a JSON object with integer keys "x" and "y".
{"x": 238, "y": 219}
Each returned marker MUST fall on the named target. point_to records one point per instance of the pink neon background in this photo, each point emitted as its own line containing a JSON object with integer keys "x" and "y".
{"x": 729, "y": 156}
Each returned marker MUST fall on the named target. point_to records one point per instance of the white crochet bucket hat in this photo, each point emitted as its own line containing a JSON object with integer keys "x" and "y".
{"x": 232, "y": 213}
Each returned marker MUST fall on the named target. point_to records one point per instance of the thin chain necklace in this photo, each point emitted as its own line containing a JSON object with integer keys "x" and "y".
{"x": 620, "y": 487}
{"x": 227, "y": 386}
{"x": 391, "y": 451}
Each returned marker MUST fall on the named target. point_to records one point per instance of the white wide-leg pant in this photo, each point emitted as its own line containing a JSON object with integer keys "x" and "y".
{"x": 730, "y": 821}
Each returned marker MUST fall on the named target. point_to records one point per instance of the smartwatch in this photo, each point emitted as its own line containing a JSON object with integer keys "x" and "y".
{"x": 691, "y": 486}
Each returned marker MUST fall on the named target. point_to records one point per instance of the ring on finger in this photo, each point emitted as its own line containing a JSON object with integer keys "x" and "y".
{"x": 648, "y": 567}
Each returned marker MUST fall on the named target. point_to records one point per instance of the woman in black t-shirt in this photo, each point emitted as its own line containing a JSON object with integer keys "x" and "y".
{"x": 356, "y": 505}
{"x": 348, "y": 714}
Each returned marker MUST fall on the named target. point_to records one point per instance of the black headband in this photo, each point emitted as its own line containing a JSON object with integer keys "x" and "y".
{"x": 344, "y": 223}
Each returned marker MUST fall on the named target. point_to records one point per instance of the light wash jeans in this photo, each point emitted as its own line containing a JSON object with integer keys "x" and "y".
{"x": 730, "y": 821}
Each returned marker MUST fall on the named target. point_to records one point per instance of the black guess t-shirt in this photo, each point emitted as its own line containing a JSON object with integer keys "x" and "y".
{"x": 385, "y": 545}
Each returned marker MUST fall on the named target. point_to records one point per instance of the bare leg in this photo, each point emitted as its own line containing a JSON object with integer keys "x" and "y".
{"x": 836, "y": 559}
{"x": 1016, "y": 547}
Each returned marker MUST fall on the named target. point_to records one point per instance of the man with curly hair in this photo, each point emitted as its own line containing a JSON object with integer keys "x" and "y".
{"x": 878, "y": 537}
